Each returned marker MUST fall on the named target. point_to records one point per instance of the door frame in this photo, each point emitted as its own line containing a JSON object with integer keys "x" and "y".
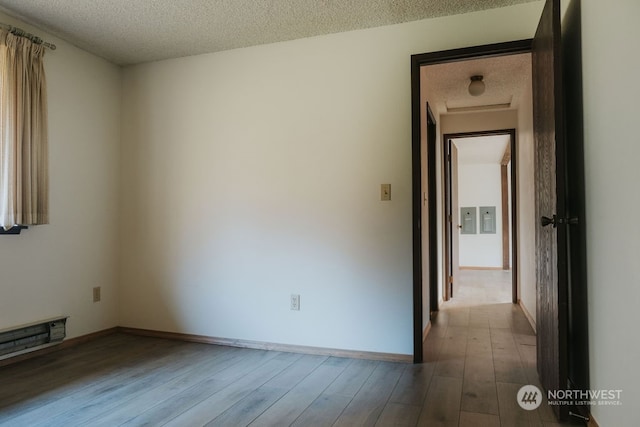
{"x": 417, "y": 61}
{"x": 513, "y": 220}
{"x": 432, "y": 137}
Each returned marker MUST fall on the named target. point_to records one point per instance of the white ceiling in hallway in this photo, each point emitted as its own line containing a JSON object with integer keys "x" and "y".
{"x": 134, "y": 31}
{"x": 505, "y": 78}
{"x": 446, "y": 87}
{"x": 481, "y": 149}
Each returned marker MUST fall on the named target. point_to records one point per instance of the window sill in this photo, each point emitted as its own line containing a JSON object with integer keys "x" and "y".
{"x": 13, "y": 230}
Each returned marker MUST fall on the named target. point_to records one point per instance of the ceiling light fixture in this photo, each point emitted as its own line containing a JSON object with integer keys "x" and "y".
{"x": 476, "y": 87}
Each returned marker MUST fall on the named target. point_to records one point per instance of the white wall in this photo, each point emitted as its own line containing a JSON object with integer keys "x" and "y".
{"x": 50, "y": 270}
{"x": 611, "y": 94}
{"x": 480, "y": 184}
{"x": 526, "y": 203}
{"x": 255, "y": 173}
{"x": 481, "y": 121}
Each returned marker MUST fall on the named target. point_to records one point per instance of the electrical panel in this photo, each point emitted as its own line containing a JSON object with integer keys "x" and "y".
{"x": 487, "y": 220}
{"x": 468, "y": 220}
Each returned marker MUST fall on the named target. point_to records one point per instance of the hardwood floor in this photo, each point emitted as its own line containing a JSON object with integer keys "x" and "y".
{"x": 477, "y": 359}
{"x": 481, "y": 287}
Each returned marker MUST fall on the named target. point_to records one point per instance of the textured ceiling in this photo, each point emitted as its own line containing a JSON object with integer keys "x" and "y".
{"x": 134, "y": 31}
{"x": 504, "y": 77}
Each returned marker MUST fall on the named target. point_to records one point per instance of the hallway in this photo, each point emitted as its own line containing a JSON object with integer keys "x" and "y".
{"x": 481, "y": 287}
{"x": 484, "y": 350}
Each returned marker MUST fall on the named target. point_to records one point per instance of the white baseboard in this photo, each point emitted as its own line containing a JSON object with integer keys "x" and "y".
{"x": 426, "y": 331}
{"x": 259, "y": 345}
{"x": 527, "y": 315}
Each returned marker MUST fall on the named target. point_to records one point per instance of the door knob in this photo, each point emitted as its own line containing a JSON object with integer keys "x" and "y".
{"x": 548, "y": 221}
{"x": 555, "y": 221}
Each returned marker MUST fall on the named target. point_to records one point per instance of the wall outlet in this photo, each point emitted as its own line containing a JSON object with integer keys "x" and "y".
{"x": 295, "y": 302}
{"x": 96, "y": 294}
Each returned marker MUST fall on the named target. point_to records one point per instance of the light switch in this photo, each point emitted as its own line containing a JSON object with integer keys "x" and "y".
{"x": 385, "y": 192}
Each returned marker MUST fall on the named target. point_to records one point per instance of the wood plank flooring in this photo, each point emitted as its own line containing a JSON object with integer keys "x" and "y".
{"x": 478, "y": 356}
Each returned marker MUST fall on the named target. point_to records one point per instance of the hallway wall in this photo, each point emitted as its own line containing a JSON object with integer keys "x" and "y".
{"x": 526, "y": 204}
{"x": 611, "y": 94}
{"x": 480, "y": 184}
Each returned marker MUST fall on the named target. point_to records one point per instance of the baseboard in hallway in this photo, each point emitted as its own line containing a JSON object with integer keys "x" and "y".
{"x": 527, "y": 315}
{"x": 425, "y": 333}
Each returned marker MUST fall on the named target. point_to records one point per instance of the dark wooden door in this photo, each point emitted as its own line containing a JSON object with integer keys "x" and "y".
{"x": 432, "y": 212}
{"x": 455, "y": 222}
{"x": 577, "y": 328}
{"x": 550, "y": 237}
{"x": 451, "y": 217}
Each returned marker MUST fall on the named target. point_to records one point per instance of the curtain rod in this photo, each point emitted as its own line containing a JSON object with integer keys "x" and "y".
{"x": 22, "y": 33}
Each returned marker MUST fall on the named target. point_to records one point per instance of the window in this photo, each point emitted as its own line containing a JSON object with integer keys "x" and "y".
{"x": 24, "y": 182}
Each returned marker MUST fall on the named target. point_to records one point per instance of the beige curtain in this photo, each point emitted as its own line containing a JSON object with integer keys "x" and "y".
{"x": 24, "y": 181}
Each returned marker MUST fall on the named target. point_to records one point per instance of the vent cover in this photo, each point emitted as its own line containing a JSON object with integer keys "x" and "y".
{"x": 31, "y": 337}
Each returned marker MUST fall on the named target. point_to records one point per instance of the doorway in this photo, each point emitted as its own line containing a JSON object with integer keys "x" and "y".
{"x": 480, "y": 237}
{"x": 559, "y": 255}
{"x": 425, "y": 190}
